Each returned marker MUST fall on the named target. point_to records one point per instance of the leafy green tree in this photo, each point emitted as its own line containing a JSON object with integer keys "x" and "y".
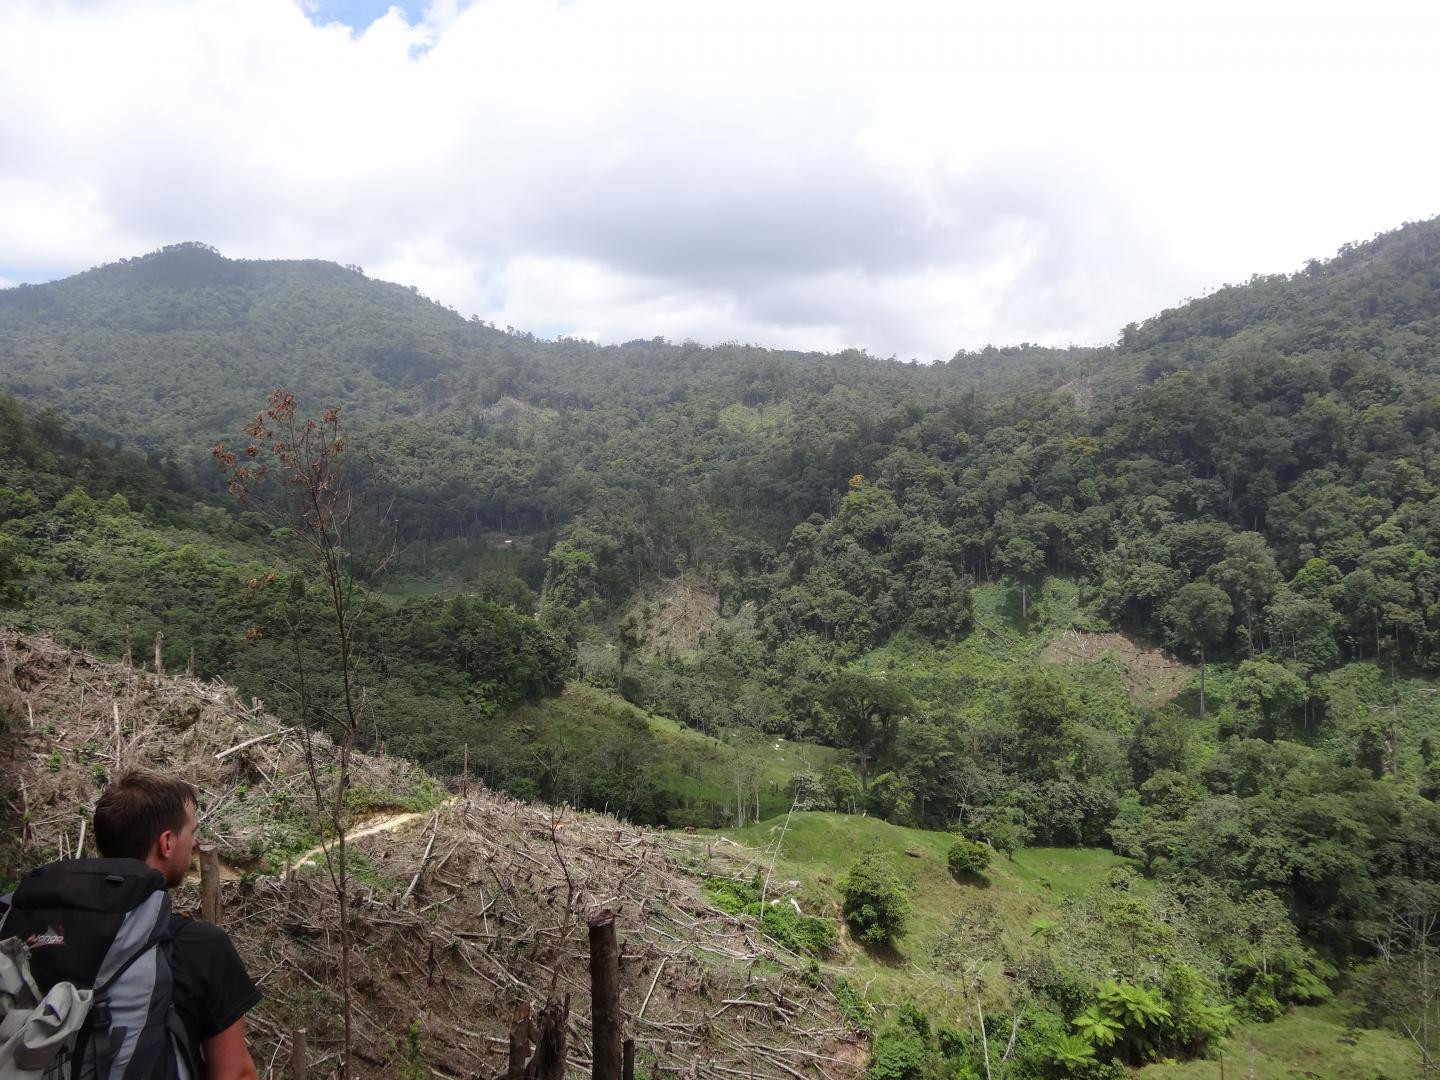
{"x": 868, "y": 708}
{"x": 902, "y": 1048}
{"x": 876, "y": 902}
{"x": 1140, "y": 1011}
{"x": 1152, "y": 826}
{"x": 1003, "y": 828}
{"x": 1248, "y": 575}
{"x": 843, "y": 791}
{"x": 1403, "y": 988}
{"x": 890, "y": 798}
{"x": 1022, "y": 561}
{"x": 1302, "y": 626}
{"x": 1271, "y": 693}
{"x": 1196, "y": 1022}
{"x": 572, "y": 595}
{"x": 11, "y": 575}
{"x": 807, "y": 792}
{"x": 1198, "y": 615}
{"x": 1160, "y": 740}
{"x": 1042, "y": 710}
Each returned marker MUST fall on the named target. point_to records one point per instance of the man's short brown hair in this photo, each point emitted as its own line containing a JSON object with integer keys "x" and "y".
{"x": 136, "y": 809}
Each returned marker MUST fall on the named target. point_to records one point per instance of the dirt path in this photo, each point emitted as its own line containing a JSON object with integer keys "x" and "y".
{"x": 384, "y": 823}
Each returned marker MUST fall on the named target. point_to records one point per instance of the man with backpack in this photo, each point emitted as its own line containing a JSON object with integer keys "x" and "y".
{"x": 99, "y": 979}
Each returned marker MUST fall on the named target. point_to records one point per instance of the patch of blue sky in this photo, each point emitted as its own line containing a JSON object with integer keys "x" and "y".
{"x": 358, "y": 14}
{"x": 30, "y": 275}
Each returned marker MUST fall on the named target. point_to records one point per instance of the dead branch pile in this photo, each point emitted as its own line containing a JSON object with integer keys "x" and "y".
{"x": 461, "y": 914}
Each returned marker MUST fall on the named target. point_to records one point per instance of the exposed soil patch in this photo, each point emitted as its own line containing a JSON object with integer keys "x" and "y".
{"x": 383, "y": 823}
{"x": 1152, "y": 676}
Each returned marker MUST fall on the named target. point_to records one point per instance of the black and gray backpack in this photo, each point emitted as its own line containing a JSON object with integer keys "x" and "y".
{"x": 85, "y": 983}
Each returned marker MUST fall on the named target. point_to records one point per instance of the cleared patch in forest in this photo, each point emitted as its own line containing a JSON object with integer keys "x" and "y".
{"x": 674, "y": 614}
{"x": 1151, "y": 675}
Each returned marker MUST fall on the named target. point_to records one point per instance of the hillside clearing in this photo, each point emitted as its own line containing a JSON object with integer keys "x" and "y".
{"x": 1151, "y": 675}
{"x": 495, "y": 916}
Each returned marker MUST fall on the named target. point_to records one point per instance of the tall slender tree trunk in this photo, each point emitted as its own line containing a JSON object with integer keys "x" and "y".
{"x": 1202, "y": 682}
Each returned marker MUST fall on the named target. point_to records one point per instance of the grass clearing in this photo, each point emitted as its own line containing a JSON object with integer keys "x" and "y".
{"x": 819, "y": 848}
{"x": 1310, "y": 1043}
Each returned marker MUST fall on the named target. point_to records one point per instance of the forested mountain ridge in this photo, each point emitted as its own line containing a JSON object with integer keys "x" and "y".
{"x": 1381, "y": 297}
{"x": 168, "y": 349}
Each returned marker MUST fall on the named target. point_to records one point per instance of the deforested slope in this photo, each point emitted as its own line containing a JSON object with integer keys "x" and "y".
{"x": 474, "y": 904}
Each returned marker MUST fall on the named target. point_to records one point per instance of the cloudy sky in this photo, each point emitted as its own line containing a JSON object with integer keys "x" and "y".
{"x": 910, "y": 177}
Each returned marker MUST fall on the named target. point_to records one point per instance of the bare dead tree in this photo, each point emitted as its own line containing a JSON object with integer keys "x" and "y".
{"x": 292, "y": 470}
{"x": 1405, "y": 986}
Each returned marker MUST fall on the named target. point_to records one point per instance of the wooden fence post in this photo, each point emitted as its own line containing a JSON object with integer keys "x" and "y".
{"x": 159, "y": 656}
{"x": 299, "y": 1068}
{"x": 604, "y": 996}
{"x": 627, "y": 1067}
{"x": 210, "y": 884}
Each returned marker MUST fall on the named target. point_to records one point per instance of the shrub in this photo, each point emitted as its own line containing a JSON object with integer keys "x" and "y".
{"x": 1004, "y": 828}
{"x": 778, "y": 919}
{"x": 876, "y": 902}
{"x": 731, "y": 896}
{"x": 853, "y": 1005}
{"x": 967, "y": 859}
{"x": 902, "y": 1048}
{"x": 801, "y": 933}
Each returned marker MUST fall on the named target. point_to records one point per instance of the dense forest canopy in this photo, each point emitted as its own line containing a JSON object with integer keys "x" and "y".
{"x": 856, "y": 551}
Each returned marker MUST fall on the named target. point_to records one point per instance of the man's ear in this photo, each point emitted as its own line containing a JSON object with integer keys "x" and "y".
{"x": 165, "y": 843}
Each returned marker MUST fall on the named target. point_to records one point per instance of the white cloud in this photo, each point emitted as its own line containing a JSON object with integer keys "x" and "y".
{"x": 913, "y": 179}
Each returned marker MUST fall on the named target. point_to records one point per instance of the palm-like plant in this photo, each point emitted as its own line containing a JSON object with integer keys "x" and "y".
{"x": 1071, "y": 1053}
{"x": 1205, "y": 1021}
{"x": 1134, "y": 1006}
{"x": 1098, "y": 1028}
{"x": 1043, "y": 929}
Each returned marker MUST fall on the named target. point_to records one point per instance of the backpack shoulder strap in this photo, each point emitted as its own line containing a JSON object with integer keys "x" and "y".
{"x": 187, "y": 1056}
{"x": 130, "y": 1032}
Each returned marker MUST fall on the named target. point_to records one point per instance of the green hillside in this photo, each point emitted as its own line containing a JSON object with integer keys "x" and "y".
{"x": 1318, "y": 1043}
{"x": 590, "y": 748}
{"x": 1021, "y": 899}
{"x": 818, "y": 848}
{"x": 1173, "y": 603}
